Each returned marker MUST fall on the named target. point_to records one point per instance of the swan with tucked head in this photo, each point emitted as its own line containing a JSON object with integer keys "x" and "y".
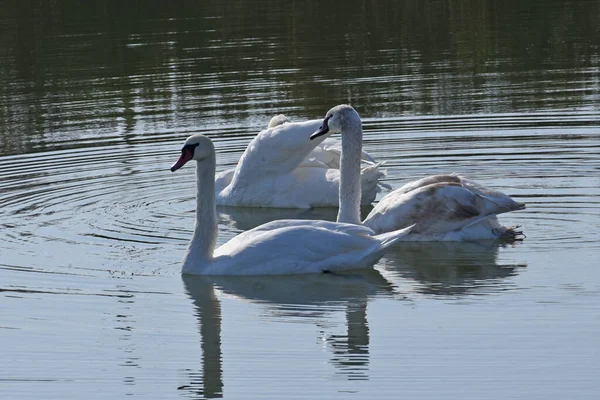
{"x": 442, "y": 207}
{"x": 277, "y": 247}
{"x": 281, "y": 168}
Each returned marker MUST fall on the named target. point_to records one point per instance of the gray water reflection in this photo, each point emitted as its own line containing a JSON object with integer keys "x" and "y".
{"x": 308, "y": 298}
{"x": 452, "y": 269}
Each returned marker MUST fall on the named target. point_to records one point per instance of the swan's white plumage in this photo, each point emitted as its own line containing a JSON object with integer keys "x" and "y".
{"x": 299, "y": 246}
{"x": 278, "y": 247}
{"x": 281, "y": 167}
{"x": 442, "y": 207}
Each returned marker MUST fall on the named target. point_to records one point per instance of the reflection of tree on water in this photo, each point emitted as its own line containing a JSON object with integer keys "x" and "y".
{"x": 481, "y": 46}
{"x": 447, "y": 268}
{"x": 309, "y": 298}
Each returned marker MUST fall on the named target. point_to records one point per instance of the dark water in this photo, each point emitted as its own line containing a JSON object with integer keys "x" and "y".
{"x": 96, "y": 99}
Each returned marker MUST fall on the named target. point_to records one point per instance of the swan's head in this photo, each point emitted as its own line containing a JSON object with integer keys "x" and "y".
{"x": 337, "y": 119}
{"x": 196, "y": 147}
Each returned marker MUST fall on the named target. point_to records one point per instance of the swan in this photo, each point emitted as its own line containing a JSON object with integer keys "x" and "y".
{"x": 442, "y": 207}
{"x": 282, "y": 168}
{"x": 277, "y": 247}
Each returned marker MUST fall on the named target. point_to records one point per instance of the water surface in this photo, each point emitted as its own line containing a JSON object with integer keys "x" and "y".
{"x": 97, "y": 99}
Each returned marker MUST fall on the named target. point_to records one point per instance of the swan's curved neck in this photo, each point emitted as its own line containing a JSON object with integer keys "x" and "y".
{"x": 202, "y": 246}
{"x": 350, "y": 191}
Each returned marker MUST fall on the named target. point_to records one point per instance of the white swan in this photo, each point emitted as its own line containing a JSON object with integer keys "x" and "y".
{"x": 278, "y": 247}
{"x": 282, "y": 168}
{"x": 442, "y": 207}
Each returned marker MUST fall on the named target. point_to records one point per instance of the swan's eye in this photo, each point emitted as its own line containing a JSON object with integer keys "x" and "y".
{"x": 190, "y": 148}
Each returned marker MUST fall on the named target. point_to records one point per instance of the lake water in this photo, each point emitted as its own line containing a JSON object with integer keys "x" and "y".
{"x": 96, "y": 99}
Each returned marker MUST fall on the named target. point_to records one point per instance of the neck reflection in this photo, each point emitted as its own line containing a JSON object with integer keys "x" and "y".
{"x": 310, "y": 298}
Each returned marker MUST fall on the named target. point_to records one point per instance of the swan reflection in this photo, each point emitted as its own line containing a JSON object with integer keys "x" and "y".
{"x": 433, "y": 268}
{"x": 208, "y": 383}
{"x": 450, "y": 268}
{"x": 312, "y": 298}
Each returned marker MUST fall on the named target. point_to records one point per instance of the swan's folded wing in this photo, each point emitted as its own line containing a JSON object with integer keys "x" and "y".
{"x": 434, "y": 208}
{"x": 497, "y": 202}
{"x": 293, "y": 246}
{"x": 349, "y": 229}
{"x": 223, "y": 179}
{"x": 329, "y": 153}
{"x": 280, "y": 149}
{"x": 334, "y": 146}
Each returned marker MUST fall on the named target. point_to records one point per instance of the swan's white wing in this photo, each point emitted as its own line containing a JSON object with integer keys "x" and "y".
{"x": 278, "y": 150}
{"x": 274, "y": 170}
{"x": 290, "y": 246}
{"x": 251, "y": 236}
{"x": 493, "y": 201}
{"x": 350, "y": 229}
{"x": 223, "y": 179}
{"x": 285, "y": 145}
{"x": 444, "y": 207}
{"x": 434, "y": 208}
{"x": 331, "y": 150}
{"x": 305, "y": 187}
{"x": 328, "y": 151}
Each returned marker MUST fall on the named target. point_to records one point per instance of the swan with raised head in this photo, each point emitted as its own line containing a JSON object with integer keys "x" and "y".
{"x": 282, "y": 168}
{"x": 442, "y": 207}
{"x": 277, "y": 247}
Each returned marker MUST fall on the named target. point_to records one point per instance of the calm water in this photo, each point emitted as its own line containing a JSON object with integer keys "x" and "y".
{"x": 96, "y": 99}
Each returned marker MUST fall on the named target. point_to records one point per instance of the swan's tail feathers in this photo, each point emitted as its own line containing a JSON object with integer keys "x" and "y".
{"x": 382, "y": 174}
{"x": 508, "y": 205}
{"x": 383, "y": 185}
{"x": 504, "y": 203}
{"x": 390, "y": 238}
{"x": 367, "y": 157}
{"x": 370, "y": 176}
{"x": 372, "y": 172}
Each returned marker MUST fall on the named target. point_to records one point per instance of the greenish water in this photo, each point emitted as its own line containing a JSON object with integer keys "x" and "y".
{"x": 96, "y": 99}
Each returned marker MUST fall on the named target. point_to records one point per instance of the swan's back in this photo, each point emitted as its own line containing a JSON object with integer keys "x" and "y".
{"x": 442, "y": 206}
{"x": 498, "y": 202}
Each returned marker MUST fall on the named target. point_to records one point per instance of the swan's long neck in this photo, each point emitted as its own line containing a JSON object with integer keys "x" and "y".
{"x": 350, "y": 191}
{"x": 202, "y": 245}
